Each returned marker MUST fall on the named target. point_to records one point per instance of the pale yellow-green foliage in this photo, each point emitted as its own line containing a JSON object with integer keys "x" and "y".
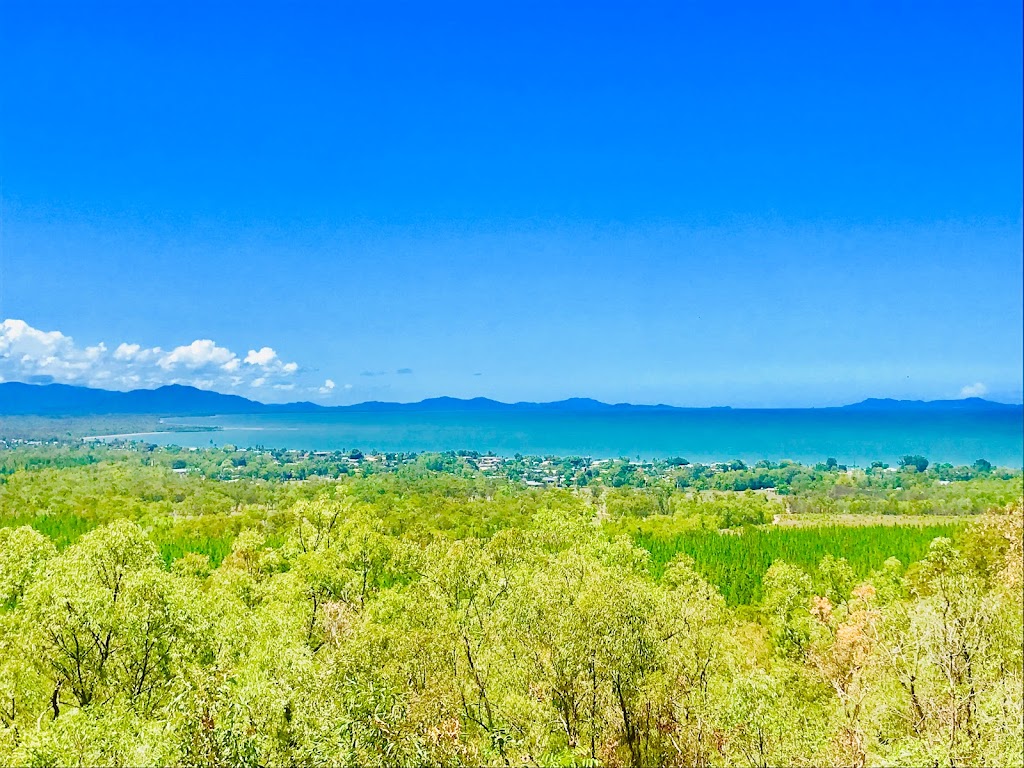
{"x": 23, "y": 553}
{"x": 549, "y": 644}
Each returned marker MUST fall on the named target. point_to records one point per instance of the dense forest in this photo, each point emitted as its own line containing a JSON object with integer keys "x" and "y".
{"x": 200, "y": 608}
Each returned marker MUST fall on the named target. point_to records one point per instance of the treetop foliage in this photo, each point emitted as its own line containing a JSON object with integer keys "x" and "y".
{"x": 448, "y": 618}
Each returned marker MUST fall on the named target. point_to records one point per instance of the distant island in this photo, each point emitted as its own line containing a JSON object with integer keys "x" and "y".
{"x": 19, "y": 399}
{"x": 964, "y": 404}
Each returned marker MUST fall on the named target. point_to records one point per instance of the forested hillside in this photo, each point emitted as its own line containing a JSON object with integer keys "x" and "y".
{"x": 152, "y": 613}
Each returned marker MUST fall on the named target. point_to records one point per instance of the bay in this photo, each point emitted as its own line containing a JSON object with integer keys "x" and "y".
{"x": 805, "y": 435}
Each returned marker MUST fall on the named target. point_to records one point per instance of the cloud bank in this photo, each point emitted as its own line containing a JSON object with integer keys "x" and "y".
{"x": 35, "y": 356}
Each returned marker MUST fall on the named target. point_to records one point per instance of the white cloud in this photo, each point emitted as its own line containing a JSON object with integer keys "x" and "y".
{"x": 18, "y": 331}
{"x": 327, "y": 388}
{"x": 126, "y": 351}
{"x": 33, "y": 355}
{"x": 29, "y": 345}
{"x": 974, "y": 390}
{"x": 265, "y": 356}
{"x": 201, "y": 353}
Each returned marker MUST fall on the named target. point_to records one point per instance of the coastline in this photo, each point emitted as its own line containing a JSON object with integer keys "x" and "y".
{"x": 808, "y": 437}
{"x": 129, "y": 435}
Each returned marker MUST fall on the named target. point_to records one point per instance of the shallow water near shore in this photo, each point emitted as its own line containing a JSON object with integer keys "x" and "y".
{"x": 801, "y": 435}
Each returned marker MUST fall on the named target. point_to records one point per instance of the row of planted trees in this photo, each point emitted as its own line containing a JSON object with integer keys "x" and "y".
{"x": 548, "y": 645}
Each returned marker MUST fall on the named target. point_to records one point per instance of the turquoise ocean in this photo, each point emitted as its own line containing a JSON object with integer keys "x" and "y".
{"x": 807, "y": 435}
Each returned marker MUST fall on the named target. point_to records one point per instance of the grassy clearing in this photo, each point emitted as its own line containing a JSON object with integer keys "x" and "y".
{"x": 172, "y": 542}
{"x": 737, "y": 561}
{"x": 62, "y": 529}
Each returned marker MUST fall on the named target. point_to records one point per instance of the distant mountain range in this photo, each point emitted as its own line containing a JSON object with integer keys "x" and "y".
{"x": 175, "y": 400}
{"x": 172, "y": 400}
{"x": 965, "y": 404}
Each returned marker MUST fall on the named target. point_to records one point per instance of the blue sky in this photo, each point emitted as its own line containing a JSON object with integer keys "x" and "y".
{"x": 691, "y": 203}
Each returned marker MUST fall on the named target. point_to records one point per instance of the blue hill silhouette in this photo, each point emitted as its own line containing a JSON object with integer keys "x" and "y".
{"x": 176, "y": 400}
